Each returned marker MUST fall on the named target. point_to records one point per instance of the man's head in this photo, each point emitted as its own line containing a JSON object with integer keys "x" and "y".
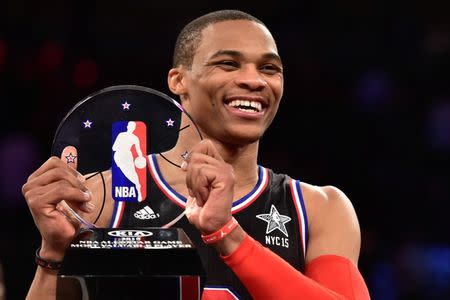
{"x": 190, "y": 36}
{"x": 232, "y": 79}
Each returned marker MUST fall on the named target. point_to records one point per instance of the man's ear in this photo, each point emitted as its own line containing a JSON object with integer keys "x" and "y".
{"x": 176, "y": 81}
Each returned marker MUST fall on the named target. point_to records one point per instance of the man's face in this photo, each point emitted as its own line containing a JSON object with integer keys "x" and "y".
{"x": 235, "y": 84}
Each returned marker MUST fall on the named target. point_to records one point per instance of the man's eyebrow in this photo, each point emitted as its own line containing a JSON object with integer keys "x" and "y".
{"x": 237, "y": 54}
{"x": 273, "y": 56}
{"x": 233, "y": 53}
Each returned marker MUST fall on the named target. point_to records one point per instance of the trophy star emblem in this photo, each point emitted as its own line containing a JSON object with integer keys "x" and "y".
{"x": 87, "y": 124}
{"x": 126, "y": 105}
{"x": 170, "y": 122}
{"x": 275, "y": 220}
{"x": 70, "y": 159}
{"x": 185, "y": 155}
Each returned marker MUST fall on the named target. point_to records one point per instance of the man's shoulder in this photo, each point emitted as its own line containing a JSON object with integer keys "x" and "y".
{"x": 310, "y": 191}
{"x": 333, "y": 223}
{"x": 319, "y": 201}
{"x": 324, "y": 200}
{"x": 324, "y": 194}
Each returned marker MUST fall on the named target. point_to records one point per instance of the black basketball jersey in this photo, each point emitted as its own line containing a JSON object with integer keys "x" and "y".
{"x": 273, "y": 213}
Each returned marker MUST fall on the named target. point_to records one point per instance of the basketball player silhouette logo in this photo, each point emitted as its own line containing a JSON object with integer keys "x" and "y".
{"x": 129, "y": 175}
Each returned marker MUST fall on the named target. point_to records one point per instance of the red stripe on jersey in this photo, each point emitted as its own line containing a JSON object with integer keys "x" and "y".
{"x": 117, "y": 217}
{"x": 295, "y": 197}
{"x": 162, "y": 188}
{"x": 121, "y": 213}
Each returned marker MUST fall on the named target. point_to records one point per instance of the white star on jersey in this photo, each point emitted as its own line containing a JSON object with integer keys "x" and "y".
{"x": 275, "y": 221}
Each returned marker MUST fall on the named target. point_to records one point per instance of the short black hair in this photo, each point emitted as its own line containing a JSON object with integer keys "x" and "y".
{"x": 190, "y": 36}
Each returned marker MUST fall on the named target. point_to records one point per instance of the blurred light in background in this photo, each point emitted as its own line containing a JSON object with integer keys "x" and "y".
{"x": 2, "y": 285}
{"x": 19, "y": 157}
{"x": 382, "y": 282}
{"x": 437, "y": 42}
{"x": 373, "y": 91}
{"x": 85, "y": 74}
{"x": 438, "y": 125}
{"x": 50, "y": 57}
{"x": 412, "y": 272}
{"x": 437, "y": 269}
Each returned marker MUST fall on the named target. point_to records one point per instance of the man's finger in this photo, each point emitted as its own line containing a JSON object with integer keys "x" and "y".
{"x": 70, "y": 157}
{"x": 54, "y": 162}
{"x": 57, "y": 191}
{"x": 55, "y": 175}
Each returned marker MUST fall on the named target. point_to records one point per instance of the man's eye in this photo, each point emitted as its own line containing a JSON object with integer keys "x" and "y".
{"x": 271, "y": 69}
{"x": 228, "y": 64}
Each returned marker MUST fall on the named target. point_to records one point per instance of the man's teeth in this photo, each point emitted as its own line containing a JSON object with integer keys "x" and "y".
{"x": 245, "y": 105}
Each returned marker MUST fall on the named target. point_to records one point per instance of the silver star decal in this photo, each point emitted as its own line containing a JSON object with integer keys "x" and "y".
{"x": 185, "y": 155}
{"x": 70, "y": 158}
{"x": 126, "y": 105}
{"x": 170, "y": 123}
{"x": 275, "y": 221}
{"x": 87, "y": 124}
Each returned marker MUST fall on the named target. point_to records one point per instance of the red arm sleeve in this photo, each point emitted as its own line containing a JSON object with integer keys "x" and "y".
{"x": 268, "y": 276}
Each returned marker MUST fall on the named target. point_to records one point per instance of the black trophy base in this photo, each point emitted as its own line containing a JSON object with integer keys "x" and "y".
{"x": 149, "y": 263}
{"x": 122, "y": 288}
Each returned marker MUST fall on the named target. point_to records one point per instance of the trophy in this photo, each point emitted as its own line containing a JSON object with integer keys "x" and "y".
{"x": 125, "y": 140}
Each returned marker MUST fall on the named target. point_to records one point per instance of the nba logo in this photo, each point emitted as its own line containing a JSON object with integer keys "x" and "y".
{"x": 129, "y": 159}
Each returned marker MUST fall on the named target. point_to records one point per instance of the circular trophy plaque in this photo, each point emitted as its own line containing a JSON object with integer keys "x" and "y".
{"x": 115, "y": 134}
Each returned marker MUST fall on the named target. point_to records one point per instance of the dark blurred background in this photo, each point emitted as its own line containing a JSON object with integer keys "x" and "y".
{"x": 366, "y": 108}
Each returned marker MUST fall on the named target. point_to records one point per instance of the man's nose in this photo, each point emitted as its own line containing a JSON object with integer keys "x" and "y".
{"x": 250, "y": 78}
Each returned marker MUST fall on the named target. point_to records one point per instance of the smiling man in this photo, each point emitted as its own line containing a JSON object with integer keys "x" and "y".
{"x": 260, "y": 235}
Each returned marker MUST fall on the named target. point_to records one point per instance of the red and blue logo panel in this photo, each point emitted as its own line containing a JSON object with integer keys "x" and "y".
{"x": 129, "y": 161}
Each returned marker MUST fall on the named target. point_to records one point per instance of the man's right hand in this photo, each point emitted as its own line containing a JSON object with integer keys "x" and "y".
{"x": 56, "y": 180}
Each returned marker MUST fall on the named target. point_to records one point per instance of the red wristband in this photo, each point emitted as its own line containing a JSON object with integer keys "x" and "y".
{"x": 221, "y": 233}
{"x": 47, "y": 264}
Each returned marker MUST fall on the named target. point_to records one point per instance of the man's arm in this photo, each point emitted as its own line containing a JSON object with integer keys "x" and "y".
{"x": 54, "y": 181}
{"x": 43, "y": 285}
{"x": 334, "y": 227}
{"x": 332, "y": 253}
{"x": 333, "y": 247}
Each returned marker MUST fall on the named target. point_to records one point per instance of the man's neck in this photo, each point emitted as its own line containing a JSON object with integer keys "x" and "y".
{"x": 243, "y": 159}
